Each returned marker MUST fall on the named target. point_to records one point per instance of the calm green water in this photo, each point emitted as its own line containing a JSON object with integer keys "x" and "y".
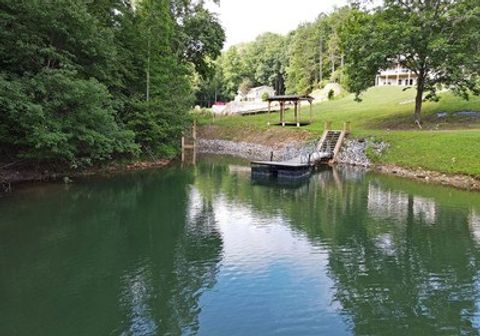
{"x": 204, "y": 250}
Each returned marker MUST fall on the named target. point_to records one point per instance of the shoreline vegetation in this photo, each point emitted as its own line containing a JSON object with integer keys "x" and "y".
{"x": 445, "y": 152}
{"x": 11, "y": 178}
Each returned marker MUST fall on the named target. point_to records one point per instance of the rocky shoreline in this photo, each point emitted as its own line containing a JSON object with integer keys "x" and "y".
{"x": 427, "y": 176}
{"x": 253, "y": 151}
{"x": 353, "y": 153}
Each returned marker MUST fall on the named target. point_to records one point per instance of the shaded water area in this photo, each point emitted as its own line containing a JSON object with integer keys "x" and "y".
{"x": 205, "y": 250}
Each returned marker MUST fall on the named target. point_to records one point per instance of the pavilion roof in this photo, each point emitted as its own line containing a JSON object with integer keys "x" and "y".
{"x": 291, "y": 98}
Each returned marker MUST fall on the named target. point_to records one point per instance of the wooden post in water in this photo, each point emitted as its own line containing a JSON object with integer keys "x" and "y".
{"x": 194, "y": 133}
{"x": 347, "y": 127}
{"x": 192, "y": 146}
{"x": 183, "y": 148}
{"x": 194, "y": 136}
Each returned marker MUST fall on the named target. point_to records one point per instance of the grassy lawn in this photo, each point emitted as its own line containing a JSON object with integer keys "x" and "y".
{"x": 455, "y": 151}
{"x": 450, "y": 144}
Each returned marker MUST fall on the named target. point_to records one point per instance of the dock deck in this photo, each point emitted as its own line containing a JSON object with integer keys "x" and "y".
{"x": 285, "y": 164}
{"x": 302, "y": 166}
{"x": 282, "y": 169}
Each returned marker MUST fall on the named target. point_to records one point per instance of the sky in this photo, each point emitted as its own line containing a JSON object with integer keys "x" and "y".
{"x": 244, "y": 20}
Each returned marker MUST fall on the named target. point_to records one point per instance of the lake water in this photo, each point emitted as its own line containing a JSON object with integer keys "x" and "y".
{"x": 205, "y": 250}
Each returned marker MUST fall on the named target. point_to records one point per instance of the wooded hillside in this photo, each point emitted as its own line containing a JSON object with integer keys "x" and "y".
{"x": 86, "y": 81}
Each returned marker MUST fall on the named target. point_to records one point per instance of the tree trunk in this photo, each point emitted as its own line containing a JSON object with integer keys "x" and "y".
{"x": 148, "y": 70}
{"x": 321, "y": 60}
{"x": 419, "y": 98}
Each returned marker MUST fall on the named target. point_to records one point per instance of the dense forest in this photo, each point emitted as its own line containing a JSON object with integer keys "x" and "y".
{"x": 87, "y": 81}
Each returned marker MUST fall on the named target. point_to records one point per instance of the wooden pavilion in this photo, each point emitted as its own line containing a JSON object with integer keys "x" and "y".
{"x": 296, "y": 100}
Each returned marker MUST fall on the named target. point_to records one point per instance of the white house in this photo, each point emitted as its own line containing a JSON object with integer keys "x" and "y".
{"x": 397, "y": 75}
{"x": 255, "y": 94}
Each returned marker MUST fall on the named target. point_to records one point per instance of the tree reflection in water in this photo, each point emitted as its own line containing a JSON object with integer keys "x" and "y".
{"x": 168, "y": 301}
{"x": 406, "y": 266}
{"x": 133, "y": 255}
{"x": 118, "y": 256}
{"x": 421, "y": 280}
{"x": 402, "y": 263}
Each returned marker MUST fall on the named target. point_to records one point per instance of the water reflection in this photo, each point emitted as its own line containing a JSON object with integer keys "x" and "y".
{"x": 408, "y": 279}
{"x": 204, "y": 250}
{"x": 474, "y": 222}
{"x": 393, "y": 272}
{"x": 129, "y": 255}
{"x": 387, "y": 204}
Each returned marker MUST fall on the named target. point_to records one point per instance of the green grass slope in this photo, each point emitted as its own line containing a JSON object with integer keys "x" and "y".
{"x": 450, "y": 145}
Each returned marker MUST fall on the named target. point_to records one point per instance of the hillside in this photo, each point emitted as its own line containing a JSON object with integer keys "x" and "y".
{"x": 449, "y": 142}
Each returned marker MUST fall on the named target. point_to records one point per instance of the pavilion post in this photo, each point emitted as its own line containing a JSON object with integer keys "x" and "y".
{"x": 282, "y": 113}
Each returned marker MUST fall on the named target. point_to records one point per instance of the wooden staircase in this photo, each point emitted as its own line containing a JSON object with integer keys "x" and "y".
{"x": 300, "y": 167}
{"x": 332, "y": 140}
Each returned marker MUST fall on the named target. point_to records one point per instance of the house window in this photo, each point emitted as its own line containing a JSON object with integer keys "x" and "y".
{"x": 411, "y": 81}
{"x": 399, "y": 82}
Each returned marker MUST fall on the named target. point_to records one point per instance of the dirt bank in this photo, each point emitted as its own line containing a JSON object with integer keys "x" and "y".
{"x": 11, "y": 177}
{"x": 271, "y": 137}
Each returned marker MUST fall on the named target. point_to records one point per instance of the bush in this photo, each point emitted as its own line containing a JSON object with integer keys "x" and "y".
{"x": 203, "y": 113}
{"x": 265, "y": 96}
{"x": 373, "y": 154}
{"x": 245, "y": 86}
{"x": 331, "y": 94}
{"x": 157, "y": 126}
{"x": 54, "y": 116}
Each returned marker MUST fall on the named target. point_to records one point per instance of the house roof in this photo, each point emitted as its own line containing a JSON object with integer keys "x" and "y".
{"x": 255, "y": 90}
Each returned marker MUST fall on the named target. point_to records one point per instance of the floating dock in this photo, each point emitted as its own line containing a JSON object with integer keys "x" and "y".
{"x": 281, "y": 170}
{"x": 301, "y": 167}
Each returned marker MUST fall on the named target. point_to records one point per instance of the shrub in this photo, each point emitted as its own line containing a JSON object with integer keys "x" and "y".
{"x": 331, "y": 94}
{"x": 157, "y": 126}
{"x": 54, "y": 116}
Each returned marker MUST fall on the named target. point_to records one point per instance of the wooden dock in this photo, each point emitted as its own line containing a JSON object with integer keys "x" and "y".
{"x": 282, "y": 169}
{"x": 326, "y": 151}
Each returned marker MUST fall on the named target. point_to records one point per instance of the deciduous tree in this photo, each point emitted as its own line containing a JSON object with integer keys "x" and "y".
{"x": 437, "y": 40}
